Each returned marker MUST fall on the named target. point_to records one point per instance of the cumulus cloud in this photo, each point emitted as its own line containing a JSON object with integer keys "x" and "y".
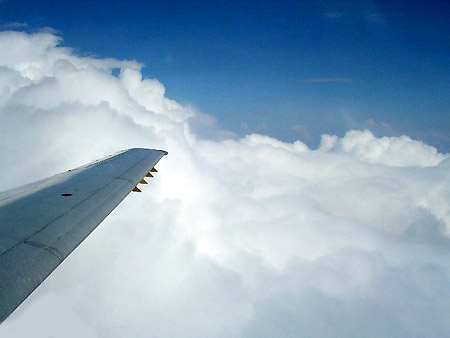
{"x": 235, "y": 237}
{"x": 390, "y": 151}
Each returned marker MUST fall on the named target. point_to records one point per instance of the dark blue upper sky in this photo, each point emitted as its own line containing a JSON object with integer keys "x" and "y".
{"x": 289, "y": 69}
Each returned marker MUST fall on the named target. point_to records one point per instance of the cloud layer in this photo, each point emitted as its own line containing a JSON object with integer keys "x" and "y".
{"x": 249, "y": 237}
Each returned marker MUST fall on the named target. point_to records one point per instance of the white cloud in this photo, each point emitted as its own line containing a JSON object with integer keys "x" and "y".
{"x": 390, "y": 151}
{"x": 374, "y": 17}
{"x": 244, "y": 125}
{"x": 302, "y": 131}
{"x": 13, "y": 25}
{"x": 334, "y": 14}
{"x": 327, "y": 80}
{"x": 250, "y": 237}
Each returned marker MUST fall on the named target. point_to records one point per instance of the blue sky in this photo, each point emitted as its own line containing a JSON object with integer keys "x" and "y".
{"x": 286, "y": 69}
{"x": 249, "y": 237}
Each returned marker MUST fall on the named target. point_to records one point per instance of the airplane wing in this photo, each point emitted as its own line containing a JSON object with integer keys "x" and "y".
{"x": 43, "y": 222}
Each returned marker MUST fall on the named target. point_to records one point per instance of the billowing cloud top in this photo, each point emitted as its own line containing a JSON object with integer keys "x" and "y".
{"x": 250, "y": 237}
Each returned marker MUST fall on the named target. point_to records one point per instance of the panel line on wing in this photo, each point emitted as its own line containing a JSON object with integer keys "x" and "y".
{"x": 54, "y": 251}
{"x": 74, "y": 207}
{"x": 53, "y": 216}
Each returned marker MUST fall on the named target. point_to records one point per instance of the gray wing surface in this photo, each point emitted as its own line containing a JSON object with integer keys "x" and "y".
{"x": 43, "y": 222}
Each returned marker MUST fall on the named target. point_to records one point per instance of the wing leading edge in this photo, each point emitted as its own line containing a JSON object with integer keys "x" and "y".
{"x": 43, "y": 222}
